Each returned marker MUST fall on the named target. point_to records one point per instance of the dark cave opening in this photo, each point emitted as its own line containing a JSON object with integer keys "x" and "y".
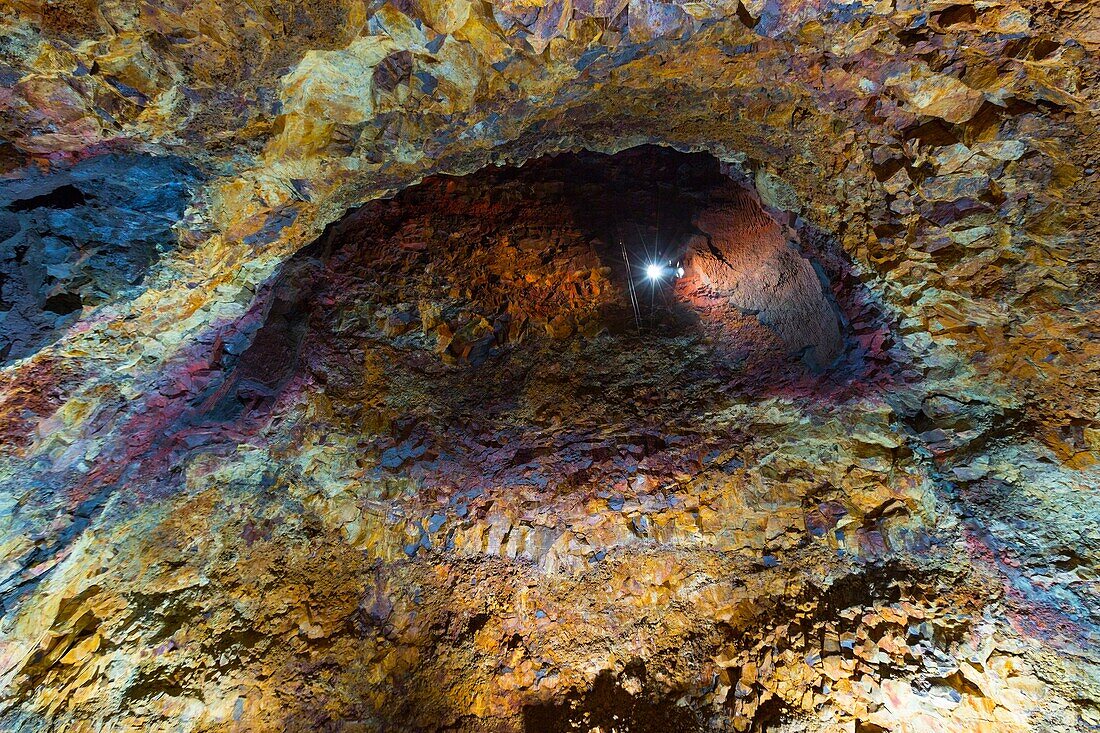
{"x": 477, "y": 331}
{"x": 550, "y": 250}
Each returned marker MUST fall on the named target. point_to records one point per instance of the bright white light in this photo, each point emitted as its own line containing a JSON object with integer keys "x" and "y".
{"x": 654, "y": 271}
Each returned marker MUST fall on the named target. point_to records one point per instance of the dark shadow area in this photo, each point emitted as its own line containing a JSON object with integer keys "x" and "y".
{"x": 608, "y": 706}
{"x": 477, "y": 332}
{"x": 63, "y": 197}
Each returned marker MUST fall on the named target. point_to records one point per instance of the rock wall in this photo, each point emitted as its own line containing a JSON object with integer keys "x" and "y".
{"x": 266, "y": 468}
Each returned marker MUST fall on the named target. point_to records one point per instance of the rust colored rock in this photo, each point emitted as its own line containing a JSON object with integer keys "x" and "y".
{"x": 744, "y": 256}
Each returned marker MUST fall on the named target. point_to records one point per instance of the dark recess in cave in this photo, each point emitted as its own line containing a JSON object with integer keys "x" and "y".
{"x": 608, "y": 706}
{"x": 496, "y": 303}
{"x": 652, "y": 200}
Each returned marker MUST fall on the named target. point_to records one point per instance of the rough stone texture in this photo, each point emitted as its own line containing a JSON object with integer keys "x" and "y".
{"x": 420, "y": 470}
{"x": 742, "y": 257}
{"x": 80, "y": 238}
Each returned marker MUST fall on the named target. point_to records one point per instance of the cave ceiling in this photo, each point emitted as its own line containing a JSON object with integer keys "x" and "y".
{"x": 334, "y": 393}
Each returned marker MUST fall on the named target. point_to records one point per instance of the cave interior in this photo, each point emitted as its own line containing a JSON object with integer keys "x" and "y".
{"x": 654, "y": 367}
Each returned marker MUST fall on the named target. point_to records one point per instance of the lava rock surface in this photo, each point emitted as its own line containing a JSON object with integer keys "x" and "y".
{"x": 268, "y": 465}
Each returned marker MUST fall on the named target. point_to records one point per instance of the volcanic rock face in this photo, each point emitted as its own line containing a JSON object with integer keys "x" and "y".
{"x": 81, "y": 238}
{"x": 450, "y": 461}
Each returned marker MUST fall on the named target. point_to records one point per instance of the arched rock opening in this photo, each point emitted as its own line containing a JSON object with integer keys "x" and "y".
{"x": 496, "y": 310}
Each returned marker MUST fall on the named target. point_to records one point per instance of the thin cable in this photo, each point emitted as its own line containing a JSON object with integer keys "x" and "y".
{"x": 630, "y": 285}
{"x": 657, "y": 233}
{"x": 656, "y": 241}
